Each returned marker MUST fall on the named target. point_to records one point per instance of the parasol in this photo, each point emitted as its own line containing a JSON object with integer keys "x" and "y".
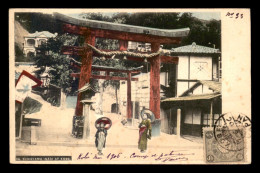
{"x": 149, "y": 113}
{"x": 105, "y": 120}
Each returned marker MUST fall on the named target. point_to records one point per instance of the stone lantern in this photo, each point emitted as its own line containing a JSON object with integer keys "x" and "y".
{"x": 87, "y": 92}
{"x": 45, "y": 78}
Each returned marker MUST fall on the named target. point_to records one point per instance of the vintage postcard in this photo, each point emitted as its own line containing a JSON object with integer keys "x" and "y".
{"x": 130, "y": 86}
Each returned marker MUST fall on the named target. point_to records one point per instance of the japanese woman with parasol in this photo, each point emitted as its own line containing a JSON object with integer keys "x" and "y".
{"x": 102, "y": 124}
{"x": 145, "y": 129}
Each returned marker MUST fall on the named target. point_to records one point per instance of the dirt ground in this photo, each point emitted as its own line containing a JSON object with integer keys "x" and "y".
{"x": 54, "y": 138}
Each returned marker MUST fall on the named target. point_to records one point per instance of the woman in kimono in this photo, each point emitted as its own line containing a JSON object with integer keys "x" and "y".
{"x": 145, "y": 130}
{"x": 101, "y": 138}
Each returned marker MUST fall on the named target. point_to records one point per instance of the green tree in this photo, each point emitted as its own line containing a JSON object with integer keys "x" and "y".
{"x": 214, "y": 33}
{"x": 19, "y": 55}
{"x": 37, "y": 21}
{"x": 48, "y": 55}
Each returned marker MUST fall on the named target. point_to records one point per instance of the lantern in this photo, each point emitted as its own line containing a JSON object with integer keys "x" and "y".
{"x": 45, "y": 78}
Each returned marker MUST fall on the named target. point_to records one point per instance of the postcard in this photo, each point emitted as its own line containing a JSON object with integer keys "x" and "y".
{"x": 130, "y": 86}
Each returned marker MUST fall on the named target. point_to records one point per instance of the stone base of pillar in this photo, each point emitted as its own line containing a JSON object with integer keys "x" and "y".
{"x": 156, "y": 128}
{"x": 129, "y": 122}
{"x": 77, "y": 126}
{"x": 29, "y": 135}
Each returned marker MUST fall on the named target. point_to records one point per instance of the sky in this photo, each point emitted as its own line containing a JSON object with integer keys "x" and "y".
{"x": 207, "y": 15}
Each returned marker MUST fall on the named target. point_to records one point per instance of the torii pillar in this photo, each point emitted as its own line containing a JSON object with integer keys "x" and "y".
{"x": 123, "y": 47}
{"x": 155, "y": 63}
{"x": 85, "y": 72}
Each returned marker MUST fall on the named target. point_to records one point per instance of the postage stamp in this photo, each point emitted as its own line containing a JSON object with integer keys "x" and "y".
{"x": 226, "y": 141}
{"x": 226, "y": 148}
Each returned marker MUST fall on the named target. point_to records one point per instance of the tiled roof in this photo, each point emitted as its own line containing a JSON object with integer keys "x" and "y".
{"x": 86, "y": 87}
{"x": 213, "y": 85}
{"x": 183, "y": 32}
{"x": 193, "y": 97}
{"x": 193, "y": 48}
{"x": 46, "y": 33}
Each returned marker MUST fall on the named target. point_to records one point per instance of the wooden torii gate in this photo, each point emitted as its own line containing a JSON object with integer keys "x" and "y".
{"x": 91, "y": 29}
{"x": 107, "y": 76}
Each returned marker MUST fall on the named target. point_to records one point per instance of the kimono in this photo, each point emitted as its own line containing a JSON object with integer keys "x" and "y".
{"x": 100, "y": 139}
{"x": 145, "y": 130}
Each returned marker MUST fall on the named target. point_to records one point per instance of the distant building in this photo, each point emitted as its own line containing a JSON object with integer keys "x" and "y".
{"x": 34, "y": 40}
{"x": 138, "y": 46}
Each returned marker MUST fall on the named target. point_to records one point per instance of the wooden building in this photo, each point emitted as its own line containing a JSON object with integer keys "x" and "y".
{"x": 200, "y": 107}
{"x": 194, "y": 87}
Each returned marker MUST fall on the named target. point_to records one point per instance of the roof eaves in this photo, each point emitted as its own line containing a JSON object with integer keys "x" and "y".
{"x": 192, "y": 98}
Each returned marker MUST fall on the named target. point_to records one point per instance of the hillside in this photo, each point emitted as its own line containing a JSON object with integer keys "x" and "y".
{"x": 19, "y": 32}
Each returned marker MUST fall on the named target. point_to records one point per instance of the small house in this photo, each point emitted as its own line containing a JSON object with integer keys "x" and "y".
{"x": 200, "y": 107}
{"x": 34, "y": 40}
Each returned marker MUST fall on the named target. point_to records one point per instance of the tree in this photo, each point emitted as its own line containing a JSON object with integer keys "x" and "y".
{"x": 48, "y": 55}
{"x": 37, "y": 21}
{"x": 153, "y": 20}
{"x": 214, "y": 33}
{"x": 19, "y": 55}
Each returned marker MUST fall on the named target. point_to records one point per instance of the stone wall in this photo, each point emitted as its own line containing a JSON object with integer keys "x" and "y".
{"x": 140, "y": 92}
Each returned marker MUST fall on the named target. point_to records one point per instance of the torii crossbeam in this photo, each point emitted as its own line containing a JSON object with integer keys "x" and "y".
{"x": 92, "y": 29}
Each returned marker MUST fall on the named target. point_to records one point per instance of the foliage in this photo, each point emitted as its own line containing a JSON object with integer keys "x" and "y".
{"x": 95, "y": 16}
{"x": 19, "y": 55}
{"x": 33, "y": 22}
{"x": 49, "y": 56}
{"x": 153, "y": 20}
{"x": 31, "y": 105}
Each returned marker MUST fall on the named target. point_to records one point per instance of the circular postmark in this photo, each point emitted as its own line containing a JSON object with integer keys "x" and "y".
{"x": 229, "y": 131}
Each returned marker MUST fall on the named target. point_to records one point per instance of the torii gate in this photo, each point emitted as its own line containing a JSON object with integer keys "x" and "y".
{"x": 92, "y": 29}
{"x": 107, "y": 76}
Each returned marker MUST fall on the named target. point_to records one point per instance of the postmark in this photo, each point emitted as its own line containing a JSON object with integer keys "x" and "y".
{"x": 232, "y": 127}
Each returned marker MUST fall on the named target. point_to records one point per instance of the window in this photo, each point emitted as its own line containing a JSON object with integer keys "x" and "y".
{"x": 216, "y": 116}
{"x": 196, "y": 116}
{"x": 41, "y": 41}
{"x": 30, "y": 42}
{"x": 193, "y": 116}
{"x": 206, "y": 119}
